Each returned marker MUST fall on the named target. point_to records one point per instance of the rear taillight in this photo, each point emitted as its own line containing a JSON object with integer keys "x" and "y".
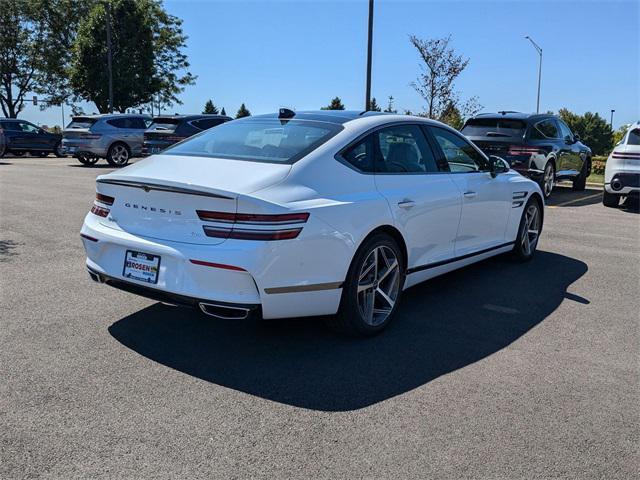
{"x": 174, "y": 138}
{"x": 252, "y": 219}
{"x": 99, "y": 211}
{"x": 106, "y": 199}
{"x": 102, "y": 199}
{"x": 522, "y": 150}
{"x": 90, "y": 136}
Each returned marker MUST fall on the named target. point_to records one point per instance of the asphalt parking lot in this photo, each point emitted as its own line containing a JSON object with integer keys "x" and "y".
{"x": 500, "y": 370}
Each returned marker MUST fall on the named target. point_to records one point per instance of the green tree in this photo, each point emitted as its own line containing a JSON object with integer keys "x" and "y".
{"x": 373, "y": 106}
{"x": 594, "y": 131}
{"x": 243, "y": 112}
{"x": 336, "y": 104}
{"x": 436, "y": 83}
{"x": 223, "y": 112}
{"x": 390, "y": 108}
{"x": 451, "y": 116}
{"x": 148, "y": 64}
{"x": 209, "y": 107}
{"x": 35, "y": 46}
{"x": 619, "y": 133}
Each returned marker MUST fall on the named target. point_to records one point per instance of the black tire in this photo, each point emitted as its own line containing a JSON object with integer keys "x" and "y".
{"x": 88, "y": 161}
{"x": 351, "y": 319}
{"x": 548, "y": 179}
{"x": 57, "y": 150}
{"x": 118, "y": 155}
{"x": 520, "y": 250}
{"x": 610, "y": 200}
{"x": 580, "y": 182}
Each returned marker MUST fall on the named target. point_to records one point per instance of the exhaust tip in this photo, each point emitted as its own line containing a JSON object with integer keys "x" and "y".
{"x": 616, "y": 185}
{"x": 224, "y": 312}
{"x": 95, "y": 277}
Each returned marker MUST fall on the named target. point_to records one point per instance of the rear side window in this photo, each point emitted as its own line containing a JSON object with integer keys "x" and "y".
{"x": 634, "y": 137}
{"x": 361, "y": 155}
{"x": 11, "y": 126}
{"x": 494, "y": 127}
{"x": 81, "y": 122}
{"x": 460, "y": 154}
{"x": 258, "y": 140}
{"x": 544, "y": 129}
{"x": 120, "y": 123}
{"x": 403, "y": 149}
{"x": 206, "y": 123}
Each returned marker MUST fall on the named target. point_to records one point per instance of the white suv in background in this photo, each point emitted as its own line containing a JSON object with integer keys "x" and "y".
{"x": 622, "y": 173}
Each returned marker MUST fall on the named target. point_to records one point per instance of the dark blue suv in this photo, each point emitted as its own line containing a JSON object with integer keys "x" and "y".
{"x": 19, "y": 137}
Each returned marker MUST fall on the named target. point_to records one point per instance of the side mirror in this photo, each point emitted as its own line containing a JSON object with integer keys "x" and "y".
{"x": 576, "y": 137}
{"x": 497, "y": 165}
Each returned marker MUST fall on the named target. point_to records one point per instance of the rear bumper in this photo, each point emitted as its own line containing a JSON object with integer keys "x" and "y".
{"x": 153, "y": 147}
{"x": 623, "y": 183}
{"x": 279, "y": 277}
{"x": 86, "y": 149}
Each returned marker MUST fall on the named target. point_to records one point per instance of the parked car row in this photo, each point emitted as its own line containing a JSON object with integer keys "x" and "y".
{"x": 118, "y": 138}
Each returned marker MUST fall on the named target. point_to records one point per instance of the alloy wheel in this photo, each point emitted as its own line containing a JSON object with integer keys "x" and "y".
{"x": 119, "y": 154}
{"x": 378, "y": 285}
{"x": 531, "y": 230}
{"x": 548, "y": 179}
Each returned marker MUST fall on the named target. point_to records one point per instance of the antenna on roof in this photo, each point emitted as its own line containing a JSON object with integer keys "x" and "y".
{"x": 286, "y": 113}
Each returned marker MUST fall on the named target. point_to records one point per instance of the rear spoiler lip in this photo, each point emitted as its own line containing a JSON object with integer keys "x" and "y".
{"x": 148, "y": 186}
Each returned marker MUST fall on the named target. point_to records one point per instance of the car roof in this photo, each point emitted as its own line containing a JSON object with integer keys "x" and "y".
{"x": 193, "y": 116}
{"x": 331, "y": 116}
{"x": 109, "y": 116}
{"x": 514, "y": 115}
{"x": 14, "y": 120}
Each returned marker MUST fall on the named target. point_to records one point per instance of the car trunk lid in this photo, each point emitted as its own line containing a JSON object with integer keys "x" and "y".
{"x": 159, "y": 197}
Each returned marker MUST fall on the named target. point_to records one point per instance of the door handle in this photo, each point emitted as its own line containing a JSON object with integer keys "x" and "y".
{"x": 406, "y": 204}
{"x": 470, "y": 194}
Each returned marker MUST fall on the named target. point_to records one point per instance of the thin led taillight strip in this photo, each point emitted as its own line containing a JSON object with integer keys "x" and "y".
{"x": 88, "y": 237}
{"x": 246, "y": 234}
{"x": 106, "y": 199}
{"x": 217, "y": 265}
{"x": 625, "y": 155}
{"x": 253, "y": 218}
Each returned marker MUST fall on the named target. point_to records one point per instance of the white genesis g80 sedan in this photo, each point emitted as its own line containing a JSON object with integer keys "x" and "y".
{"x": 307, "y": 213}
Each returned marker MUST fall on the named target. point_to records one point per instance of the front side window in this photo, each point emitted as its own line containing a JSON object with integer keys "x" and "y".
{"x": 403, "y": 149}
{"x": 27, "y": 127}
{"x": 460, "y": 154}
{"x": 259, "y": 140}
{"x": 634, "y": 137}
{"x": 544, "y": 129}
{"x": 12, "y": 126}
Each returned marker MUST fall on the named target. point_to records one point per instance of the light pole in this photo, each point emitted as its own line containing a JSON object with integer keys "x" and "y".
{"x": 109, "y": 63}
{"x": 539, "y": 50}
{"x": 611, "y": 123}
{"x": 367, "y": 101}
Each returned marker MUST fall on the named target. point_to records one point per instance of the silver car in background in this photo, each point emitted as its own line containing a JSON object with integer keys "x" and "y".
{"x": 115, "y": 137}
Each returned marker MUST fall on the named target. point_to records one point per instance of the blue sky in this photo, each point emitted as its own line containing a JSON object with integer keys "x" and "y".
{"x": 302, "y": 53}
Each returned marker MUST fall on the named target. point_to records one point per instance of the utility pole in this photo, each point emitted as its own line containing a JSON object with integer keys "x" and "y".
{"x": 109, "y": 65}
{"x": 611, "y": 123}
{"x": 539, "y": 50}
{"x": 367, "y": 103}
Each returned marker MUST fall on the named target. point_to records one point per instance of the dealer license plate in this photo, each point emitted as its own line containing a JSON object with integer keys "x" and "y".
{"x": 141, "y": 266}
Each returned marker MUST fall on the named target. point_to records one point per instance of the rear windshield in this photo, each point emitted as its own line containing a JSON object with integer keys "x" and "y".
{"x": 494, "y": 127}
{"x": 258, "y": 140}
{"x": 81, "y": 122}
{"x": 634, "y": 137}
{"x": 165, "y": 124}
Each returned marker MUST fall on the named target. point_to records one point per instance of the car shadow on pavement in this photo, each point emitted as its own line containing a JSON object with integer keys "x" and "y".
{"x": 444, "y": 324}
{"x": 563, "y": 196}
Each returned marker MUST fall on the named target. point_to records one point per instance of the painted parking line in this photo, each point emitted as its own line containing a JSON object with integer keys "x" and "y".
{"x": 581, "y": 199}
